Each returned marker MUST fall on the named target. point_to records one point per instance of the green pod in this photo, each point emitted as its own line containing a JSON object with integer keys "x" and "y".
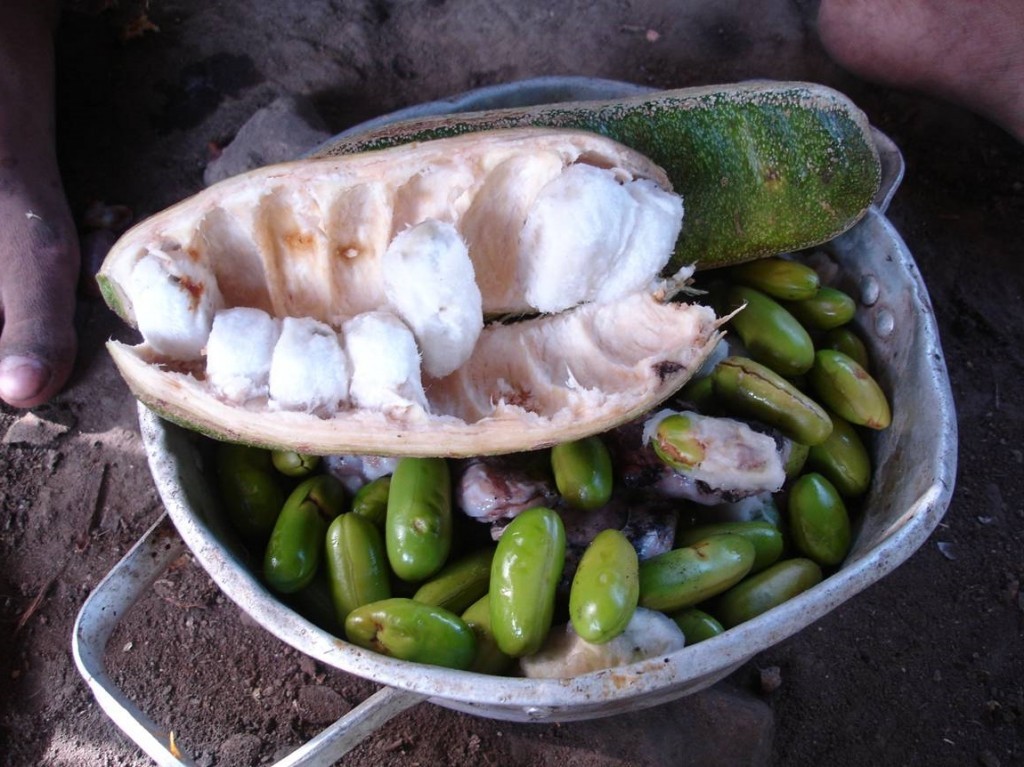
{"x": 583, "y": 472}
{"x": 412, "y": 631}
{"x": 459, "y": 583}
{"x": 297, "y": 542}
{"x": 796, "y": 457}
{"x": 686, "y": 576}
{"x": 818, "y": 522}
{"x": 525, "y": 573}
{"x": 847, "y": 341}
{"x": 763, "y": 535}
{"x": 847, "y": 388}
{"x": 829, "y": 308}
{"x": 697, "y": 625}
{"x": 418, "y": 527}
{"x": 771, "y": 335}
{"x": 769, "y": 588}
{"x": 357, "y": 564}
{"x": 489, "y": 658}
{"x": 315, "y": 603}
{"x": 293, "y": 464}
{"x": 843, "y": 459}
{"x": 605, "y": 588}
{"x": 251, "y": 492}
{"x": 675, "y": 444}
{"x": 755, "y": 391}
{"x": 779, "y": 278}
{"x": 699, "y": 394}
{"x": 371, "y": 500}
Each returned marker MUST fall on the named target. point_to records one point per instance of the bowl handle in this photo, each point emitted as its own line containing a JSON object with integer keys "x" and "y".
{"x": 111, "y": 600}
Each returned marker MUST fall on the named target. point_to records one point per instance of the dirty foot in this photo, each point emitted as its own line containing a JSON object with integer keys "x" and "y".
{"x": 971, "y": 54}
{"x": 38, "y": 243}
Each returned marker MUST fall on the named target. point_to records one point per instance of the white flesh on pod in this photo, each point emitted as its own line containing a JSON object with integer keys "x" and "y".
{"x": 437, "y": 234}
{"x": 239, "y": 352}
{"x": 565, "y": 654}
{"x": 736, "y": 458}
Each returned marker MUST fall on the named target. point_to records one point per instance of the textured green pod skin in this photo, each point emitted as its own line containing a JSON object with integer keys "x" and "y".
{"x": 796, "y": 459}
{"x": 583, "y": 472}
{"x": 418, "y": 527}
{"x": 755, "y": 391}
{"x": 605, "y": 588}
{"x": 250, "y": 490}
{"x": 818, "y": 521}
{"x": 408, "y": 630}
{"x": 843, "y": 459}
{"x": 770, "y": 333}
{"x": 769, "y": 588}
{"x": 357, "y": 564}
{"x": 828, "y": 309}
{"x": 293, "y": 464}
{"x": 686, "y": 576}
{"x": 675, "y": 444}
{"x": 847, "y": 341}
{"x": 765, "y": 168}
{"x": 779, "y": 278}
{"x": 489, "y": 658}
{"x": 297, "y": 542}
{"x": 459, "y": 583}
{"x": 849, "y": 390}
{"x": 765, "y": 537}
{"x": 371, "y": 500}
{"x": 697, "y": 625}
{"x": 525, "y": 573}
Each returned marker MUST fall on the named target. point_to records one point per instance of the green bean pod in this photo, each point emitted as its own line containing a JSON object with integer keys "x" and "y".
{"x": 829, "y": 308}
{"x": 699, "y": 393}
{"x": 357, "y": 564}
{"x": 412, "y": 631}
{"x": 769, "y": 588}
{"x": 697, "y": 625}
{"x": 764, "y": 536}
{"x": 605, "y": 588}
{"x": 293, "y": 464}
{"x": 795, "y": 458}
{"x": 583, "y": 472}
{"x": 418, "y": 527}
{"x": 757, "y": 392}
{"x": 846, "y": 340}
{"x": 250, "y": 490}
{"x": 686, "y": 576}
{"x": 843, "y": 459}
{"x": 371, "y": 500}
{"x": 675, "y": 444}
{"x": 779, "y": 278}
{"x": 297, "y": 542}
{"x": 818, "y": 521}
{"x": 489, "y": 658}
{"x": 315, "y": 603}
{"x": 459, "y": 583}
{"x": 525, "y": 573}
{"x": 771, "y": 335}
{"x": 848, "y": 389}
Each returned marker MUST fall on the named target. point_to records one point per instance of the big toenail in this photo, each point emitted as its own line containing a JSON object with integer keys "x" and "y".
{"x": 22, "y": 378}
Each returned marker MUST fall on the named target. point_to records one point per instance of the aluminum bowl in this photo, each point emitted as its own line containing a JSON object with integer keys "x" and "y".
{"x": 915, "y": 462}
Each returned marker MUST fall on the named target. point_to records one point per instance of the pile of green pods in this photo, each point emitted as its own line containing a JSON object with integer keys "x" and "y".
{"x": 395, "y": 569}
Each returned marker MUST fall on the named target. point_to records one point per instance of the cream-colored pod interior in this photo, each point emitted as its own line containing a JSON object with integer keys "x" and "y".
{"x": 526, "y": 265}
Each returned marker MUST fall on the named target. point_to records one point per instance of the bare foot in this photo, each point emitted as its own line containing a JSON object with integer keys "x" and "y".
{"x": 971, "y": 54}
{"x": 38, "y": 243}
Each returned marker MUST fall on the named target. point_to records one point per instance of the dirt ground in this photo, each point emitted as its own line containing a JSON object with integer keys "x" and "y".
{"x": 925, "y": 667}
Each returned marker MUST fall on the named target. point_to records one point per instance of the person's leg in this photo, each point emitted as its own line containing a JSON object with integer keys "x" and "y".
{"x": 969, "y": 52}
{"x": 38, "y": 243}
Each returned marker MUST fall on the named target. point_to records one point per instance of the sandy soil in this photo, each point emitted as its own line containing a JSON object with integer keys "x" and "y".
{"x": 923, "y": 668}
